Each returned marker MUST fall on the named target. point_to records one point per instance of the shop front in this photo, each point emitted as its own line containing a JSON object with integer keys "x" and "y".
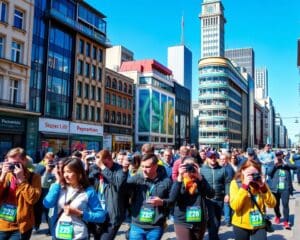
{"x": 86, "y": 136}
{"x": 121, "y": 142}
{"x": 54, "y": 137}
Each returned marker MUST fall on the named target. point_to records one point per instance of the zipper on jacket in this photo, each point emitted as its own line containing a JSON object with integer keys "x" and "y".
{"x": 213, "y": 178}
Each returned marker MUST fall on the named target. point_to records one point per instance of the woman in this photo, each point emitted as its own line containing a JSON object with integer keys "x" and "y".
{"x": 19, "y": 191}
{"x": 247, "y": 186}
{"x": 74, "y": 202}
{"x": 189, "y": 193}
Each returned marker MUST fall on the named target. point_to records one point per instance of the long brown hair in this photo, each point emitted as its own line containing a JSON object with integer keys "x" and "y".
{"x": 246, "y": 164}
{"x": 76, "y": 166}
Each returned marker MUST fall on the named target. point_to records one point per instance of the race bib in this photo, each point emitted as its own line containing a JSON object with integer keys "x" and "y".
{"x": 65, "y": 230}
{"x": 193, "y": 214}
{"x": 103, "y": 205}
{"x": 147, "y": 215}
{"x": 281, "y": 179}
{"x": 8, "y": 212}
{"x": 256, "y": 219}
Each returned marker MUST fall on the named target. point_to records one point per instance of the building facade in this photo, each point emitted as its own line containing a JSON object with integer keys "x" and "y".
{"x": 180, "y": 62}
{"x": 17, "y": 122}
{"x": 195, "y": 123}
{"x": 261, "y": 83}
{"x": 116, "y": 55}
{"x": 244, "y": 57}
{"x": 213, "y": 29}
{"x": 69, "y": 41}
{"x": 154, "y": 102}
{"x": 118, "y": 111}
{"x": 182, "y": 115}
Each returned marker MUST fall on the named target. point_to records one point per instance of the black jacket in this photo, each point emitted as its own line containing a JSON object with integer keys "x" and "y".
{"x": 139, "y": 187}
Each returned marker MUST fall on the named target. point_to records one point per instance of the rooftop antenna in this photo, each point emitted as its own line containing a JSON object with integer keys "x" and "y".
{"x": 182, "y": 30}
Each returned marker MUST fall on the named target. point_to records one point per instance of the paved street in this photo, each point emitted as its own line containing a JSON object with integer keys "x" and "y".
{"x": 225, "y": 232}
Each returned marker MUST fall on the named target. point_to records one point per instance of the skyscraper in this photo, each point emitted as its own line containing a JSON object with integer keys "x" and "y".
{"x": 212, "y": 31}
{"x": 244, "y": 57}
{"x": 180, "y": 62}
{"x": 261, "y": 83}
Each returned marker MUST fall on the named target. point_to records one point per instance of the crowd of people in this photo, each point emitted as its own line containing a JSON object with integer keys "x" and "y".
{"x": 90, "y": 194}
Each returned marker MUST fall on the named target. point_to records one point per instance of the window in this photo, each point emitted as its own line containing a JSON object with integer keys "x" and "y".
{"x": 13, "y": 90}
{"x": 79, "y": 67}
{"x": 92, "y": 114}
{"x": 113, "y": 117}
{"x": 88, "y": 49}
{"x": 100, "y": 55}
{"x": 108, "y": 82}
{"x": 87, "y": 70}
{"x": 125, "y": 88}
{"x": 124, "y": 104}
{"x": 18, "y": 19}
{"x": 78, "y": 111}
{"x": 129, "y": 104}
{"x": 114, "y": 84}
{"x": 98, "y": 114}
{"x": 113, "y": 99}
{"x": 16, "y": 52}
{"x": 94, "y": 53}
{"x": 86, "y": 90}
{"x": 106, "y": 119}
{"x": 93, "y": 72}
{"x": 130, "y": 89}
{"x": 129, "y": 119}
{"x": 100, "y": 74}
{"x": 124, "y": 119}
{"x": 85, "y": 112}
{"x": 93, "y": 93}
{"x": 107, "y": 98}
{"x": 119, "y": 104}
{"x": 99, "y": 94}
{"x": 79, "y": 89}
{"x": 2, "y": 48}
{"x": 119, "y": 118}
{"x": 120, "y": 86}
{"x": 81, "y": 46}
{"x": 3, "y": 8}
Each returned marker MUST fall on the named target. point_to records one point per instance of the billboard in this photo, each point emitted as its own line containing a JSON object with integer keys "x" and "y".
{"x": 171, "y": 116}
{"x": 144, "y": 110}
{"x": 155, "y": 112}
{"x": 164, "y": 114}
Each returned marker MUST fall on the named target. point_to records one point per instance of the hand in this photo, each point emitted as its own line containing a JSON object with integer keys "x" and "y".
{"x": 57, "y": 174}
{"x": 197, "y": 174}
{"x": 181, "y": 171}
{"x": 155, "y": 201}
{"x": 48, "y": 169}
{"x": 19, "y": 173}
{"x": 125, "y": 164}
{"x": 99, "y": 163}
{"x": 262, "y": 181}
{"x": 226, "y": 198}
{"x": 248, "y": 177}
{"x": 5, "y": 170}
{"x": 72, "y": 211}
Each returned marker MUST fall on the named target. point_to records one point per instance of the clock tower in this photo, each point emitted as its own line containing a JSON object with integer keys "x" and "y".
{"x": 212, "y": 28}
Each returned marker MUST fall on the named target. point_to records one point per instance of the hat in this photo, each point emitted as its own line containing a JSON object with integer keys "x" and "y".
{"x": 278, "y": 153}
{"x": 250, "y": 151}
{"x": 211, "y": 154}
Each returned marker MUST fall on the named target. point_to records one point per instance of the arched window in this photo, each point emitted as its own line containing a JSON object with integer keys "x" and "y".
{"x": 114, "y": 83}
{"x": 125, "y": 88}
{"x": 108, "y": 82}
{"x": 130, "y": 89}
{"x": 120, "y": 86}
{"x": 113, "y": 117}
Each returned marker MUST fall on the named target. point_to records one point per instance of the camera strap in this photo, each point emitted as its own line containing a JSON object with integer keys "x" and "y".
{"x": 255, "y": 203}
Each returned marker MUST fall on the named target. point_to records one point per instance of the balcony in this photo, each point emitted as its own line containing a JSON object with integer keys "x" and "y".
{"x": 213, "y": 96}
{"x": 205, "y": 128}
{"x": 213, "y": 117}
{"x": 8, "y": 103}
{"x": 78, "y": 26}
{"x": 216, "y": 106}
{"x": 210, "y": 140}
{"x": 213, "y": 84}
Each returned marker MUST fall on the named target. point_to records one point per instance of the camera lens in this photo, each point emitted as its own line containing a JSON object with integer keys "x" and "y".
{"x": 190, "y": 168}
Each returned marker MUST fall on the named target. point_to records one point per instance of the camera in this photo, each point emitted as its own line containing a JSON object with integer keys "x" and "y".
{"x": 51, "y": 164}
{"x": 130, "y": 158}
{"x": 190, "y": 168}
{"x": 256, "y": 177}
{"x": 91, "y": 158}
{"x": 13, "y": 165}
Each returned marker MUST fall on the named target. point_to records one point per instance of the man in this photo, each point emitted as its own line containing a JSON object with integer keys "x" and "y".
{"x": 19, "y": 191}
{"x": 281, "y": 186}
{"x": 183, "y": 152}
{"x": 147, "y": 209}
{"x": 218, "y": 180}
{"x": 110, "y": 183}
{"x": 266, "y": 158}
{"x": 167, "y": 161}
{"x": 202, "y": 154}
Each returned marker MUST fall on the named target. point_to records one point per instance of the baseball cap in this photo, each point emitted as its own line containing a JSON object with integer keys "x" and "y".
{"x": 278, "y": 153}
{"x": 211, "y": 154}
{"x": 250, "y": 151}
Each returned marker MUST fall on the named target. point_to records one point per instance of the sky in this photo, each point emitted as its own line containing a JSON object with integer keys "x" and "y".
{"x": 270, "y": 27}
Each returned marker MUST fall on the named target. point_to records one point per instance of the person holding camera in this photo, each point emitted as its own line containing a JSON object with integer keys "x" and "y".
{"x": 45, "y": 170}
{"x": 249, "y": 197}
{"x": 218, "y": 179}
{"x": 110, "y": 179}
{"x": 19, "y": 191}
{"x": 188, "y": 194}
{"x": 74, "y": 201}
{"x": 281, "y": 185}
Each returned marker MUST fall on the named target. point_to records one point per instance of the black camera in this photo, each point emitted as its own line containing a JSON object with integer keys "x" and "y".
{"x": 256, "y": 177}
{"x": 130, "y": 158}
{"x": 190, "y": 168}
{"x": 13, "y": 165}
{"x": 51, "y": 164}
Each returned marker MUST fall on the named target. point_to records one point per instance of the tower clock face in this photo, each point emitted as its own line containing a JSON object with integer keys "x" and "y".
{"x": 210, "y": 9}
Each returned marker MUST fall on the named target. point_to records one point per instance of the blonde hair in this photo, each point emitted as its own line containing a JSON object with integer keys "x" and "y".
{"x": 16, "y": 152}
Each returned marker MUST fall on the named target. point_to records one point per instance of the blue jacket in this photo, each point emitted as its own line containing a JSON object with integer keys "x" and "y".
{"x": 93, "y": 212}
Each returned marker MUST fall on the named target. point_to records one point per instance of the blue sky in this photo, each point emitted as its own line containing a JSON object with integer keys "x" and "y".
{"x": 271, "y": 27}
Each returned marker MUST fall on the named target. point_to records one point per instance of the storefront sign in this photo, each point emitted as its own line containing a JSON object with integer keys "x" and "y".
{"x": 53, "y": 125}
{"x": 86, "y": 129}
{"x": 107, "y": 142}
{"x": 8, "y": 123}
{"x": 123, "y": 138}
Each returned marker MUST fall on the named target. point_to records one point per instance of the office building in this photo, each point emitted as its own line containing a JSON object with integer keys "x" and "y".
{"x": 261, "y": 83}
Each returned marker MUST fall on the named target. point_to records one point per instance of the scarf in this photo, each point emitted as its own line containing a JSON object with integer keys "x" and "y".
{"x": 189, "y": 184}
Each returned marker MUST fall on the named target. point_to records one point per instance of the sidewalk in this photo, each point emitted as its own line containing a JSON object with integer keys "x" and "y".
{"x": 225, "y": 232}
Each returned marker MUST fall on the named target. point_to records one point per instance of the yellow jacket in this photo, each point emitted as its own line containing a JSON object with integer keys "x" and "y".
{"x": 27, "y": 195}
{"x": 242, "y": 204}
